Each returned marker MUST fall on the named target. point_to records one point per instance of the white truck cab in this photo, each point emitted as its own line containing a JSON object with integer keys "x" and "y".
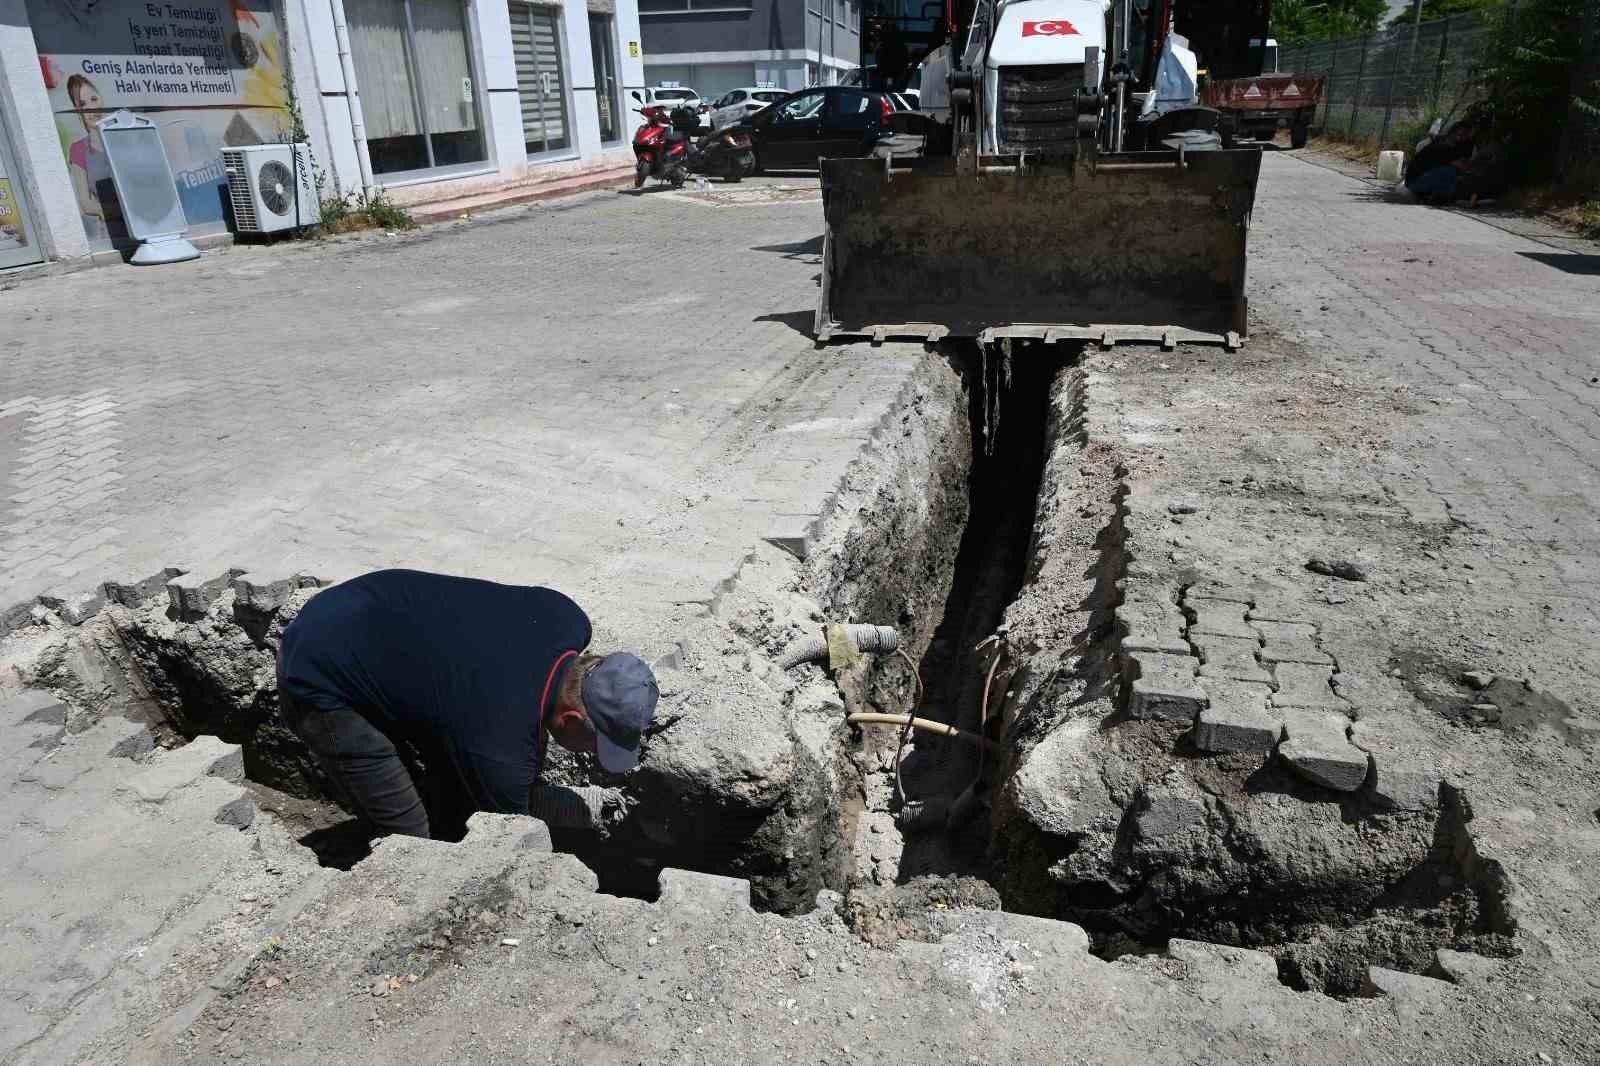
{"x": 1034, "y": 67}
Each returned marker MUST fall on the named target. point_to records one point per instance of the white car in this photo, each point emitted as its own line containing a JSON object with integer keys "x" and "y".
{"x": 740, "y": 104}
{"x": 670, "y": 97}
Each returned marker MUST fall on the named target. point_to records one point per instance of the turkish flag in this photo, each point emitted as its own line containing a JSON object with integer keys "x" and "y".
{"x": 1051, "y": 28}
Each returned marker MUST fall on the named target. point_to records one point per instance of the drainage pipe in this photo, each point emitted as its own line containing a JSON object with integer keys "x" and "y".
{"x": 865, "y": 637}
{"x": 926, "y": 724}
{"x": 352, "y": 96}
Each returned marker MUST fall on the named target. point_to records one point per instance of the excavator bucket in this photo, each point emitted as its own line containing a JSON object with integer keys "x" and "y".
{"x": 1144, "y": 246}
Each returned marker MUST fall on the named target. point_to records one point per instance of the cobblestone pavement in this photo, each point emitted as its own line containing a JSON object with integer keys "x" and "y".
{"x": 1418, "y": 408}
{"x": 608, "y": 391}
{"x": 1496, "y": 340}
{"x": 528, "y": 396}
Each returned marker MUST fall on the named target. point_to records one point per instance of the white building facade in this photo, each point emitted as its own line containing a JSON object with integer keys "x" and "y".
{"x": 421, "y": 100}
{"x": 716, "y": 45}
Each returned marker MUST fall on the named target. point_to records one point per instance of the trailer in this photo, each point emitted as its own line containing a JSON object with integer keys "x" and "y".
{"x": 1256, "y": 106}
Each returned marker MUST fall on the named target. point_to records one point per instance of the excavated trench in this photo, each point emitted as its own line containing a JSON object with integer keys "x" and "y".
{"x": 1134, "y": 834}
{"x": 1001, "y": 571}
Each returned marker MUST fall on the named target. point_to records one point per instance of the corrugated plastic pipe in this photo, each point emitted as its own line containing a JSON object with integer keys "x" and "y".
{"x": 866, "y": 637}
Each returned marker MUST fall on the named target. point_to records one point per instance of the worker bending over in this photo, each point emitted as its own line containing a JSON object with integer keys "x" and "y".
{"x": 470, "y": 677}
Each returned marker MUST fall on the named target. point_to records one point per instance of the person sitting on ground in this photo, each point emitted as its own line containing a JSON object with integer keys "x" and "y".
{"x": 1436, "y": 168}
{"x": 470, "y": 677}
{"x": 1487, "y": 174}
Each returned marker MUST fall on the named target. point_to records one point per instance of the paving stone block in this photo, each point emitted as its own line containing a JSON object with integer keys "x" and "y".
{"x": 1220, "y": 620}
{"x": 1238, "y": 718}
{"x": 1284, "y": 631}
{"x": 1424, "y": 994}
{"x": 1212, "y": 961}
{"x": 1149, "y": 614}
{"x": 792, "y": 533}
{"x": 1305, "y": 685}
{"x": 75, "y": 610}
{"x": 687, "y": 890}
{"x": 1464, "y": 968}
{"x": 131, "y": 594}
{"x": 1164, "y": 687}
{"x": 1318, "y": 749}
{"x": 519, "y": 831}
{"x": 263, "y": 595}
{"x": 1295, "y": 651}
{"x": 1198, "y": 594}
{"x": 1404, "y": 776}
{"x": 176, "y": 769}
{"x": 36, "y": 705}
{"x": 1339, "y": 766}
{"x": 1145, "y": 641}
{"x": 239, "y": 813}
{"x": 191, "y": 595}
{"x": 1232, "y": 658}
{"x": 1278, "y": 609}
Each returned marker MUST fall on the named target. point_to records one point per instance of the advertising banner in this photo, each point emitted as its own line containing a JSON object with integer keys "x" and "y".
{"x": 210, "y": 73}
{"x": 13, "y": 236}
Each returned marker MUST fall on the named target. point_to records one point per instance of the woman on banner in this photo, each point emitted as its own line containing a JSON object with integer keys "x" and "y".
{"x": 87, "y": 159}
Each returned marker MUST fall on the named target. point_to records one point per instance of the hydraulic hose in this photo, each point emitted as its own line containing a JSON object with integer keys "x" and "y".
{"x": 925, "y": 724}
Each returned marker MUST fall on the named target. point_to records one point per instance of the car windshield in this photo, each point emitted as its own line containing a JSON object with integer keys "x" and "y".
{"x": 767, "y": 97}
{"x": 674, "y": 94}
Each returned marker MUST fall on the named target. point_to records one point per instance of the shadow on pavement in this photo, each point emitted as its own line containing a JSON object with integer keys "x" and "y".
{"x": 799, "y": 321}
{"x": 796, "y": 250}
{"x": 1567, "y": 262}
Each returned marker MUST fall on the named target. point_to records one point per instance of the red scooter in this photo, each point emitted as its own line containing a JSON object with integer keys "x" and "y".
{"x": 661, "y": 151}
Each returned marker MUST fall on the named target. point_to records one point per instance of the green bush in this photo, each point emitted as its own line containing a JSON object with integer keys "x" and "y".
{"x": 347, "y": 213}
{"x": 1526, "y": 79}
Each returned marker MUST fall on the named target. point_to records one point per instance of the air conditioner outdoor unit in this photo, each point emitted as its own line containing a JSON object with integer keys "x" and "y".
{"x": 270, "y": 186}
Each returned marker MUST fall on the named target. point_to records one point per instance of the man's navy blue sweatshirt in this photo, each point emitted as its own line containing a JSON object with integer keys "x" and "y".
{"x": 453, "y": 665}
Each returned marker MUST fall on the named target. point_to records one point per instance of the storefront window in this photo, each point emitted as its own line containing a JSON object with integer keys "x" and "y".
{"x": 17, "y": 242}
{"x": 541, "y": 77}
{"x": 414, "y": 74}
{"x": 602, "y": 42}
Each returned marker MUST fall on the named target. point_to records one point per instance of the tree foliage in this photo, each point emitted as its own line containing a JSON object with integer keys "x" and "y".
{"x": 1441, "y": 9}
{"x": 1526, "y": 77}
{"x": 1299, "y": 20}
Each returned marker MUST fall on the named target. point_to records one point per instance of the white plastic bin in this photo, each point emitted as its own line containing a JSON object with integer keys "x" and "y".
{"x": 1391, "y": 165}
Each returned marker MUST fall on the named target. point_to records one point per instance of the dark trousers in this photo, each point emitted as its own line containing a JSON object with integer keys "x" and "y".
{"x": 368, "y": 776}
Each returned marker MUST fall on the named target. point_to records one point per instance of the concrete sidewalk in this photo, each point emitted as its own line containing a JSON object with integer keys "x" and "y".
{"x": 613, "y": 394}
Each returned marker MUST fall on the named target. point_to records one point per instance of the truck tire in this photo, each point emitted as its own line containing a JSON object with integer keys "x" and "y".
{"x": 1298, "y": 134}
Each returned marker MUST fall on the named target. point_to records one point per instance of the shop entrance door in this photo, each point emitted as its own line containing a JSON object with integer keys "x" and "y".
{"x": 601, "y": 33}
{"x": 541, "y": 77}
{"x": 19, "y": 244}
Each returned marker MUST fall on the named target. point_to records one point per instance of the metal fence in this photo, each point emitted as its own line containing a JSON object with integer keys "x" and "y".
{"x": 1393, "y": 79}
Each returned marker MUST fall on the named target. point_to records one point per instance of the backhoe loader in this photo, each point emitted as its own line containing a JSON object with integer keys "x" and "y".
{"x": 1081, "y": 192}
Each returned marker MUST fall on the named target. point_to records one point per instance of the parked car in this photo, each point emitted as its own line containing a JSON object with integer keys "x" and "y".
{"x": 740, "y": 104}
{"x": 820, "y": 122}
{"x": 671, "y": 96}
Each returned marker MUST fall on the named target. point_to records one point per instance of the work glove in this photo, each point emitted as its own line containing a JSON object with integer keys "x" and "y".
{"x": 589, "y": 807}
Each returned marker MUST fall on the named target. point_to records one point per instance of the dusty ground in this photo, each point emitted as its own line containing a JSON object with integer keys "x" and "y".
{"x": 1419, "y": 397}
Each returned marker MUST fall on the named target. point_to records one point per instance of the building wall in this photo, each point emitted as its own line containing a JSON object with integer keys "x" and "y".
{"x": 508, "y": 164}
{"x": 777, "y": 41}
{"x": 25, "y": 111}
{"x": 317, "y": 78}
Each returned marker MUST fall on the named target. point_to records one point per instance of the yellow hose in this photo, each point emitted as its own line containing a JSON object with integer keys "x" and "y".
{"x": 926, "y": 724}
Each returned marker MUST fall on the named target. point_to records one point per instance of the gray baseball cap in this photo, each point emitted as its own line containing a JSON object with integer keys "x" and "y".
{"x": 620, "y": 697}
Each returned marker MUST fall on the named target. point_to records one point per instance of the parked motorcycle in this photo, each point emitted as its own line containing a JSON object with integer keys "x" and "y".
{"x": 660, "y": 151}
{"x": 728, "y": 155}
{"x": 664, "y": 150}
